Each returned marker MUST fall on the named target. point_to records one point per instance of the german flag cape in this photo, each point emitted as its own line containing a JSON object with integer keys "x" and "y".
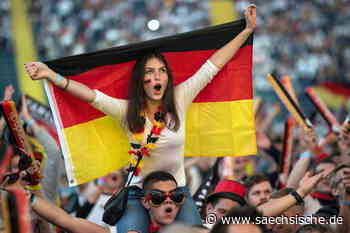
{"x": 220, "y": 122}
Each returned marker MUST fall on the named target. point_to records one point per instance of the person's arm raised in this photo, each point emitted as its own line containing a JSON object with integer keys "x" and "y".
{"x": 40, "y": 71}
{"x": 303, "y": 163}
{"x": 224, "y": 54}
{"x": 275, "y": 207}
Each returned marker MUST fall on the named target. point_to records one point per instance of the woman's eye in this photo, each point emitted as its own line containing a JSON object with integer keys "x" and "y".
{"x": 149, "y": 71}
{"x": 163, "y": 70}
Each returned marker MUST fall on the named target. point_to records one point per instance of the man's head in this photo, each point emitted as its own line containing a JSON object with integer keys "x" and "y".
{"x": 324, "y": 186}
{"x": 242, "y": 212}
{"x": 162, "y": 197}
{"x": 340, "y": 179}
{"x": 259, "y": 189}
{"x": 227, "y": 195}
{"x": 292, "y": 211}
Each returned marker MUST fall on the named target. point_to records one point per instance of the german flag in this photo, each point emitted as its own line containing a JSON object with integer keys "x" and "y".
{"x": 335, "y": 95}
{"x": 220, "y": 122}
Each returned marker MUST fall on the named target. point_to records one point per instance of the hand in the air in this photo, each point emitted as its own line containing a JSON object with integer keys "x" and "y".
{"x": 38, "y": 71}
{"x": 250, "y": 17}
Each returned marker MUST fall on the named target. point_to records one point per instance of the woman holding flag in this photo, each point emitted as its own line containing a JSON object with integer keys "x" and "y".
{"x": 153, "y": 117}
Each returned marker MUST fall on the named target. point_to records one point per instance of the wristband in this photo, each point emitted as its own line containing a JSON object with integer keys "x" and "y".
{"x": 297, "y": 197}
{"x": 59, "y": 79}
{"x": 306, "y": 154}
{"x": 30, "y": 122}
{"x": 344, "y": 202}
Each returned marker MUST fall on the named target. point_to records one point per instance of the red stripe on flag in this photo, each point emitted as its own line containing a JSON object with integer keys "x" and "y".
{"x": 336, "y": 88}
{"x": 234, "y": 82}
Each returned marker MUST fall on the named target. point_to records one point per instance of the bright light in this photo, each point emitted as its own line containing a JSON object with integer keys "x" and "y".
{"x": 153, "y": 25}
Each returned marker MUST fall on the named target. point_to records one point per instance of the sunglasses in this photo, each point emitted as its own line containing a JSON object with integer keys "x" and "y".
{"x": 157, "y": 197}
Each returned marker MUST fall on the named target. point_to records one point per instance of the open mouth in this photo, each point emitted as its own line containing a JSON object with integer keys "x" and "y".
{"x": 157, "y": 87}
{"x": 168, "y": 210}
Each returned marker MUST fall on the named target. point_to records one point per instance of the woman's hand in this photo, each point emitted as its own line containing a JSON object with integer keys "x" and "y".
{"x": 39, "y": 71}
{"x": 250, "y": 17}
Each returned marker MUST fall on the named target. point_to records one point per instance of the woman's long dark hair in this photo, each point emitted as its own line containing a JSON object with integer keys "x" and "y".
{"x": 137, "y": 96}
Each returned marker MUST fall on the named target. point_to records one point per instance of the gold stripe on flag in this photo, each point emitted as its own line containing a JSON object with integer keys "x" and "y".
{"x": 232, "y": 125}
{"x": 332, "y": 100}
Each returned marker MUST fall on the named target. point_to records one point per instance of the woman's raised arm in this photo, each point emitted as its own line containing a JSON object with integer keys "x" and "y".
{"x": 224, "y": 54}
{"x": 40, "y": 71}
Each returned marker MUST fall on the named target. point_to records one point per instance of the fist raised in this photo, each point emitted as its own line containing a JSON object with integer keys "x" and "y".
{"x": 38, "y": 71}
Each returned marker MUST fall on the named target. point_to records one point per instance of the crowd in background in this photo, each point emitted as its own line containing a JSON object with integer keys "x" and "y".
{"x": 84, "y": 26}
{"x": 312, "y": 36}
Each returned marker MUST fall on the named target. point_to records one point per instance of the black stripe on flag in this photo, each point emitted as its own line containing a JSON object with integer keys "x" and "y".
{"x": 209, "y": 38}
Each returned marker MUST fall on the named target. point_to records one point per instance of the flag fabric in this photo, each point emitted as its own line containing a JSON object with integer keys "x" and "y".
{"x": 335, "y": 95}
{"x": 220, "y": 122}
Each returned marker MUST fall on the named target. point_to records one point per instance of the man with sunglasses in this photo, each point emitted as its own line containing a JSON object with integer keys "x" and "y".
{"x": 163, "y": 199}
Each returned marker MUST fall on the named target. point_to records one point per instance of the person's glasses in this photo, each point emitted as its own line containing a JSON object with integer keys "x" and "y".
{"x": 157, "y": 197}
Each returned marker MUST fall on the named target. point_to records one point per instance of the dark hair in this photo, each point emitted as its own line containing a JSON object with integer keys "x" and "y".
{"x": 240, "y": 212}
{"x": 253, "y": 180}
{"x": 328, "y": 160}
{"x": 137, "y": 96}
{"x": 310, "y": 228}
{"x": 156, "y": 176}
{"x": 334, "y": 181}
{"x": 214, "y": 201}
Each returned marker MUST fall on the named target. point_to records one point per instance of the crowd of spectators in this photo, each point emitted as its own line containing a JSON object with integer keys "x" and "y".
{"x": 306, "y": 40}
{"x": 5, "y": 26}
{"x": 84, "y": 26}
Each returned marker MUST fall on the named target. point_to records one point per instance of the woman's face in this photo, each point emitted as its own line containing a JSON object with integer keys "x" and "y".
{"x": 155, "y": 80}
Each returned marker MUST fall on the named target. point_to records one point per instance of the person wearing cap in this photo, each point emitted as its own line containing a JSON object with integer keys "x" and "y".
{"x": 227, "y": 195}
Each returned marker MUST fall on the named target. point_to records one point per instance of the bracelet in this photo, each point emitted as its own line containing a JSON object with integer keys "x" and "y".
{"x": 58, "y": 80}
{"x": 66, "y": 86}
{"x": 30, "y": 122}
{"x": 297, "y": 197}
{"x": 306, "y": 154}
{"x": 32, "y": 199}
